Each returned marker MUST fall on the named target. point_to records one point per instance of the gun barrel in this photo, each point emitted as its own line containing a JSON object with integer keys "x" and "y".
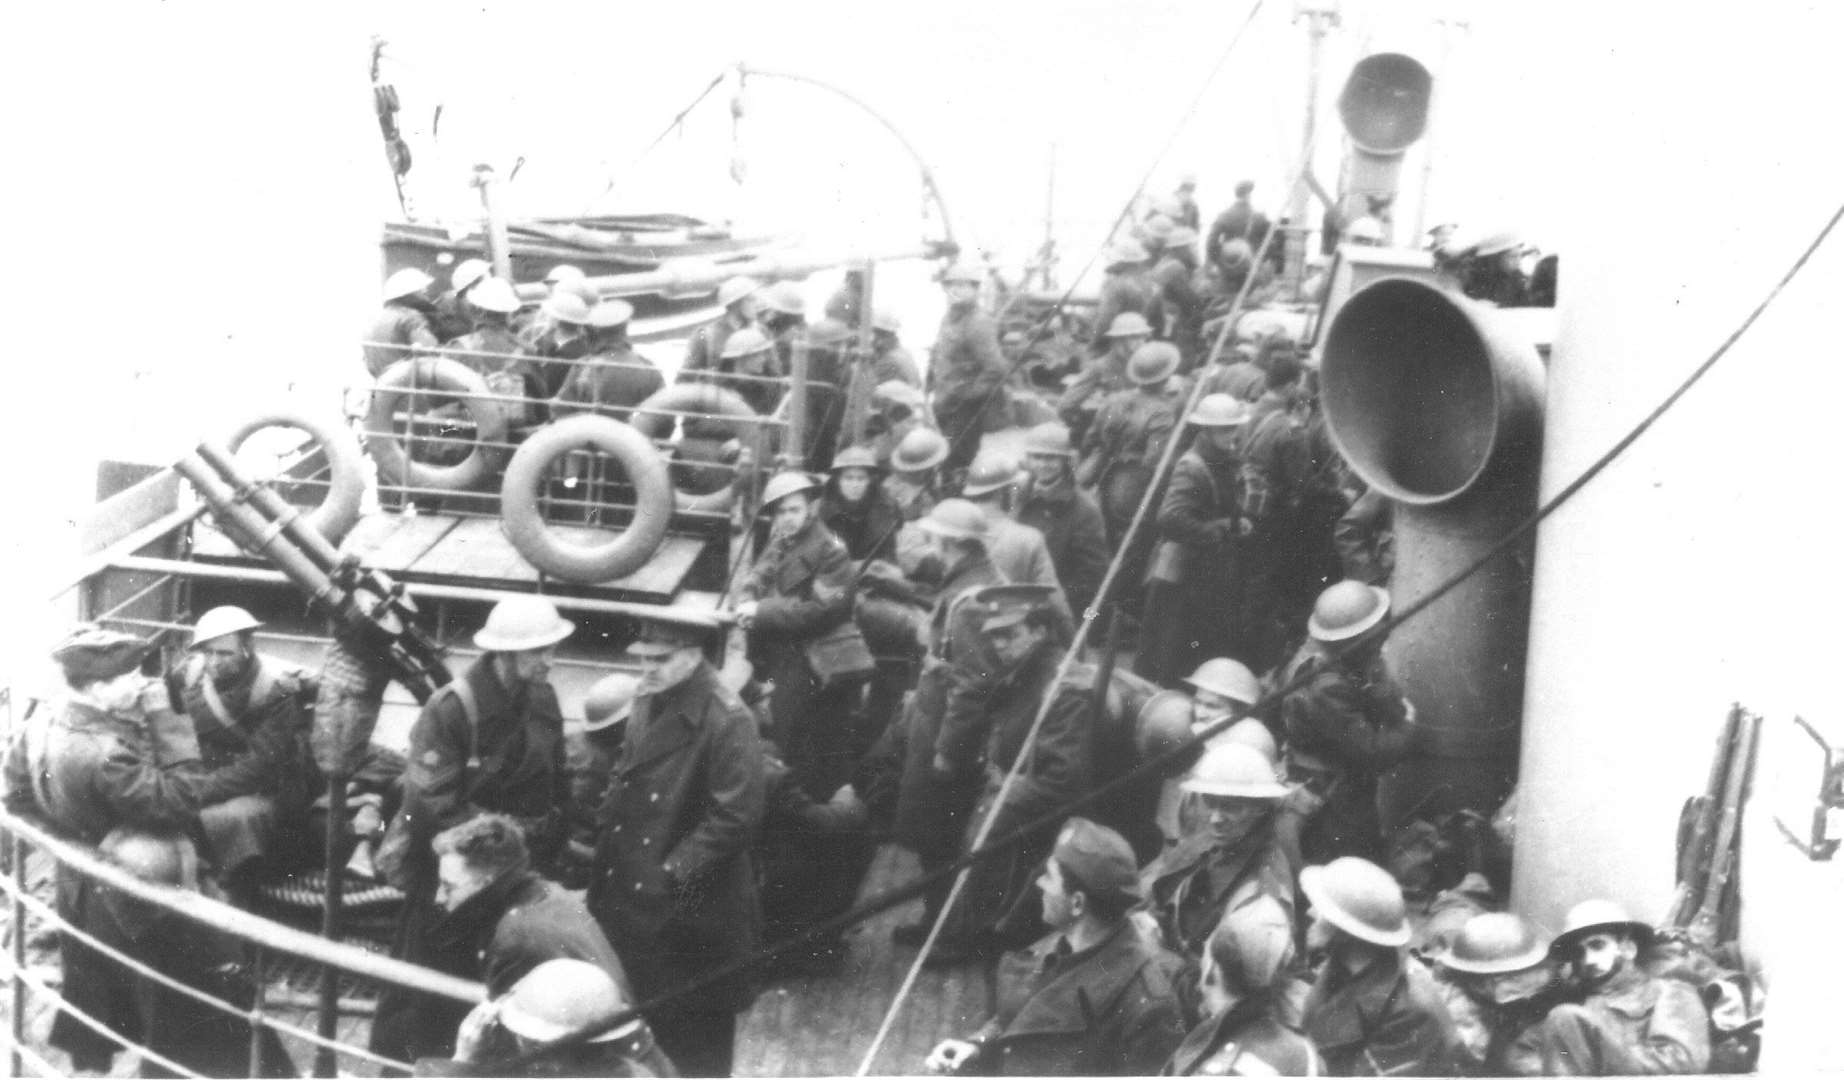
{"x": 255, "y": 534}
{"x": 278, "y": 510}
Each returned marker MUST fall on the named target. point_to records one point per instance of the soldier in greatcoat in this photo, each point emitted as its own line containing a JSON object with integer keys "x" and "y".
{"x": 1068, "y": 517}
{"x": 675, "y": 884}
{"x": 967, "y": 368}
{"x": 1629, "y": 1022}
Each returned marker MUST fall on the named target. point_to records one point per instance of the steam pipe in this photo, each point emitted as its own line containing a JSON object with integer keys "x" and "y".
{"x": 1439, "y": 408}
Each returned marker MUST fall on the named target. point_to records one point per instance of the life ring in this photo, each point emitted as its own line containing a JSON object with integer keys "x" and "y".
{"x": 339, "y": 511}
{"x": 579, "y": 563}
{"x": 698, "y": 397}
{"x": 430, "y": 375}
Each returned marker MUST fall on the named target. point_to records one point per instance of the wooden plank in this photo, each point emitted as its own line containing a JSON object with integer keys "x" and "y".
{"x": 394, "y": 542}
{"x": 477, "y": 548}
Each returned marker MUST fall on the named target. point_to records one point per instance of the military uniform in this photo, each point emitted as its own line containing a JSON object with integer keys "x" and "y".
{"x": 1385, "y": 1020}
{"x": 803, "y": 588}
{"x": 1122, "y": 290}
{"x": 1364, "y": 540}
{"x": 1634, "y": 1024}
{"x": 610, "y": 382}
{"x": 1343, "y": 732}
{"x": 84, "y": 772}
{"x": 1108, "y": 1010}
{"x": 1190, "y": 885}
{"x": 1240, "y": 379}
{"x": 1202, "y": 514}
{"x": 399, "y": 331}
{"x": 675, "y": 883}
{"x": 704, "y": 351}
{"x": 1181, "y": 306}
{"x": 1105, "y": 376}
{"x": 1074, "y": 535}
{"x": 1497, "y": 1039}
{"x": 252, "y": 737}
{"x": 1246, "y": 1039}
{"x": 505, "y": 755}
{"x": 969, "y": 373}
{"x": 1129, "y": 434}
{"x": 868, "y": 527}
{"x": 1274, "y": 469}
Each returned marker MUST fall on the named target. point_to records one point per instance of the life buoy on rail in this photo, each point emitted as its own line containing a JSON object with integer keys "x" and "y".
{"x": 580, "y": 563}
{"x": 339, "y": 511}
{"x": 698, "y": 397}
{"x": 431, "y": 375}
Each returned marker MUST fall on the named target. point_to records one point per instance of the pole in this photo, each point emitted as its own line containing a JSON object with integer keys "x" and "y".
{"x": 1048, "y": 256}
{"x": 1447, "y": 24}
{"x": 797, "y": 403}
{"x": 326, "y": 1062}
{"x": 499, "y": 245}
{"x": 1320, "y": 16}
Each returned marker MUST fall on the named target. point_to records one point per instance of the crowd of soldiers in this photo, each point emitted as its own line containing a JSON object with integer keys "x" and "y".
{"x": 1226, "y": 899}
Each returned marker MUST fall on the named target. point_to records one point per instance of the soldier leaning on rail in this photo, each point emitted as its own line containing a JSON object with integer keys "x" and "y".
{"x": 84, "y": 767}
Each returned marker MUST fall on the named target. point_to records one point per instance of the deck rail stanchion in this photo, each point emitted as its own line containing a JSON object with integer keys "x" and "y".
{"x": 326, "y": 1062}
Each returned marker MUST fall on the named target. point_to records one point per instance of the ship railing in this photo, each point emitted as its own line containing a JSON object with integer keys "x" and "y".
{"x": 265, "y": 942}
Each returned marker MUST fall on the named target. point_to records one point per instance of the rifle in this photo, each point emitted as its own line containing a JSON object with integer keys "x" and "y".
{"x": 1694, "y": 854}
{"x": 1705, "y": 927}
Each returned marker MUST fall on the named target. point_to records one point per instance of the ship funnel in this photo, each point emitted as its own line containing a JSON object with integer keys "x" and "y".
{"x": 1384, "y": 107}
{"x": 1439, "y": 407}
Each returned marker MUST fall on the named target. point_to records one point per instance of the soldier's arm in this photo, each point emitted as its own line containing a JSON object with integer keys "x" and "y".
{"x": 434, "y": 775}
{"x": 1061, "y": 759}
{"x": 1184, "y": 514}
{"x": 734, "y": 810}
{"x": 1150, "y": 1033}
{"x": 1677, "y": 1040}
{"x": 964, "y": 723}
{"x": 1069, "y": 406}
{"x": 138, "y": 791}
{"x": 1333, "y": 713}
{"x": 828, "y": 604}
{"x": 260, "y": 768}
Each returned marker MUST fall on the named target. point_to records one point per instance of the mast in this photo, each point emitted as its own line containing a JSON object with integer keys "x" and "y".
{"x": 1321, "y": 16}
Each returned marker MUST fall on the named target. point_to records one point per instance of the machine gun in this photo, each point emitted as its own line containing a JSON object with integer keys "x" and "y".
{"x": 1709, "y": 836}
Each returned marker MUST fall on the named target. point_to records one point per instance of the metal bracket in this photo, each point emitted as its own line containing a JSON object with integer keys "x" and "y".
{"x": 1820, "y": 837}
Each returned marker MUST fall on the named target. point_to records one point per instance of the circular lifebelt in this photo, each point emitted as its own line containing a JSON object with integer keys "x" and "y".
{"x": 339, "y": 511}
{"x": 431, "y": 375}
{"x": 579, "y": 563}
{"x": 699, "y": 397}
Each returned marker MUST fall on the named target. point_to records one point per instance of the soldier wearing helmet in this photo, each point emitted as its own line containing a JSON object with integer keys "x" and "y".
{"x": 856, "y": 507}
{"x": 614, "y": 377}
{"x": 402, "y": 328}
{"x": 936, "y": 793}
{"x": 491, "y": 741}
{"x": 1124, "y": 288}
{"x": 1247, "y": 1030}
{"x": 1629, "y": 1022}
{"x": 747, "y": 352}
{"x": 914, "y": 482}
{"x": 557, "y": 336}
{"x": 1498, "y": 983}
{"x": 1092, "y": 998}
{"x": 1194, "y": 600}
{"x": 887, "y": 362}
{"x": 1276, "y": 474}
{"x": 675, "y": 881}
{"x": 1068, "y": 517}
{"x": 1174, "y": 283}
{"x": 85, "y": 767}
{"x": 1018, "y": 550}
{"x": 737, "y": 297}
{"x": 1233, "y": 857}
{"x": 248, "y": 712}
{"x": 1373, "y": 1009}
{"x": 559, "y": 997}
{"x": 495, "y": 351}
{"x": 967, "y": 368}
{"x": 453, "y": 313}
{"x": 1106, "y": 373}
{"x": 796, "y": 605}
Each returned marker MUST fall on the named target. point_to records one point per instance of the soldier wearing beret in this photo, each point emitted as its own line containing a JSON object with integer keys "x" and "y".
{"x": 1093, "y": 998}
{"x": 674, "y": 882}
{"x": 86, "y": 767}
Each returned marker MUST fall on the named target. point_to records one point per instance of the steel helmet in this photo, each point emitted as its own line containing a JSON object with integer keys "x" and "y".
{"x": 563, "y": 272}
{"x": 1220, "y": 410}
{"x": 584, "y": 288}
{"x": 566, "y": 307}
{"x": 1236, "y": 252}
{"x": 405, "y": 282}
{"x": 735, "y": 289}
{"x": 1498, "y": 242}
{"x": 991, "y": 471}
{"x": 469, "y": 272}
{"x": 1127, "y": 252}
{"x": 784, "y": 297}
{"x": 746, "y": 342}
{"x": 1164, "y": 722}
{"x": 1495, "y": 943}
{"x": 609, "y": 700}
{"x": 1347, "y": 609}
{"x": 1365, "y": 230}
{"x": 956, "y": 519}
{"x": 1360, "y": 898}
{"x": 1251, "y": 733}
{"x": 1153, "y": 362}
{"x": 886, "y": 320}
{"x": 1129, "y": 324}
{"x": 921, "y": 449}
{"x": 1592, "y": 915}
{"x": 495, "y": 295}
{"x": 1169, "y": 206}
{"x": 145, "y": 855}
{"x": 1256, "y": 938}
{"x": 965, "y": 273}
{"x": 1234, "y": 771}
{"x": 1158, "y": 227}
{"x": 220, "y": 622}
{"x": 562, "y": 997}
{"x": 781, "y": 485}
{"x": 1229, "y": 678}
{"x": 522, "y": 622}
{"x": 1049, "y": 438}
{"x": 857, "y": 456}
{"x": 610, "y": 313}
{"x": 828, "y": 333}
{"x": 898, "y": 392}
